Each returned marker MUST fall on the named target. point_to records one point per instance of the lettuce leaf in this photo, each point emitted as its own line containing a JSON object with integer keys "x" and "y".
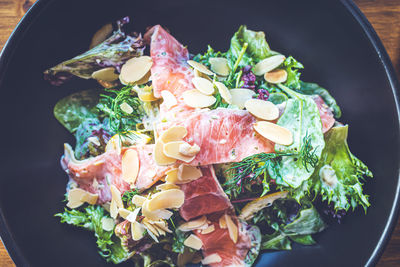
{"x": 315, "y": 89}
{"x": 255, "y": 238}
{"x": 113, "y": 52}
{"x": 292, "y": 67}
{"x": 301, "y": 117}
{"x": 72, "y": 110}
{"x": 90, "y": 218}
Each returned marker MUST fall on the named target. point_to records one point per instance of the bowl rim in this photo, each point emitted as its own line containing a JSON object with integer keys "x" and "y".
{"x": 23, "y": 25}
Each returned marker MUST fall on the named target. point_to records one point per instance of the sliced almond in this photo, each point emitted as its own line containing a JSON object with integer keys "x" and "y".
{"x": 187, "y": 173}
{"x": 193, "y": 242}
{"x": 137, "y": 230}
{"x": 144, "y": 79}
{"x": 167, "y": 186}
{"x": 212, "y": 258}
{"x": 262, "y": 109}
{"x": 113, "y": 209}
{"x": 222, "y": 222}
{"x": 155, "y": 215}
{"x": 194, "y": 224}
{"x": 130, "y": 166}
{"x": 188, "y": 150}
{"x": 201, "y": 75}
{"x": 232, "y": 228}
{"x": 208, "y": 230}
{"x": 74, "y": 204}
{"x": 203, "y": 85}
{"x": 171, "y": 150}
{"x": 147, "y": 96}
{"x": 161, "y": 225}
{"x": 224, "y": 92}
{"x": 133, "y": 215}
{"x": 101, "y": 35}
{"x": 116, "y": 195}
{"x": 151, "y": 230}
{"x": 169, "y": 99}
{"x": 168, "y": 199}
{"x": 276, "y": 76}
{"x": 195, "y": 99}
{"x": 240, "y": 96}
{"x": 125, "y": 107}
{"x": 200, "y": 67}
{"x": 107, "y": 224}
{"x": 172, "y": 176}
{"x": 174, "y": 133}
{"x": 106, "y": 74}
{"x": 159, "y": 157}
{"x": 124, "y": 212}
{"x": 135, "y": 69}
{"x": 268, "y": 64}
{"x": 138, "y": 200}
{"x": 260, "y": 203}
{"x": 219, "y": 65}
{"x": 78, "y": 196}
{"x": 274, "y": 132}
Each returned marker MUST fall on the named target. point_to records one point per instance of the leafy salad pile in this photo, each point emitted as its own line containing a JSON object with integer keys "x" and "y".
{"x": 319, "y": 176}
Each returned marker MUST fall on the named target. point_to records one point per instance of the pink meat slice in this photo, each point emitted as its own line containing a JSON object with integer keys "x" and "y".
{"x": 204, "y": 196}
{"x": 95, "y": 174}
{"x": 325, "y": 113}
{"x": 223, "y": 135}
{"x": 220, "y": 243}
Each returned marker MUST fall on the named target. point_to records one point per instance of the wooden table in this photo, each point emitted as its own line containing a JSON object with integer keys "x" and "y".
{"x": 383, "y": 14}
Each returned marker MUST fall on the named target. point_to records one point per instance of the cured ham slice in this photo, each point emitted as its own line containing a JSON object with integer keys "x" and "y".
{"x": 223, "y": 135}
{"x": 220, "y": 243}
{"x": 96, "y": 174}
{"x": 204, "y": 196}
{"x": 325, "y": 113}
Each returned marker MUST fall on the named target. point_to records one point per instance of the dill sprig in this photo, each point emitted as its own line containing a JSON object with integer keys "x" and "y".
{"x": 308, "y": 153}
{"x": 121, "y": 122}
{"x": 128, "y": 195}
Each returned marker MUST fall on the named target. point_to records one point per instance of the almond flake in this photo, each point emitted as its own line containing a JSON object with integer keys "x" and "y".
{"x": 133, "y": 215}
{"x": 135, "y": 69}
{"x": 219, "y": 65}
{"x": 187, "y": 173}
{"x": 147, "y": 96}
{"x": 222, "y": 222}
{"x": 125, "y": 107}
{"x": 274, "y": 132}
{"x": 161, "y": 225}
{"x": 107, "y": 224}
{"x": 188, "y": 150}
{"x": 208, "y": 230}
{"x": 203, "y": 85}
{"x": 200, "y": 67}
{"x": 101, "y": 35}
{"x": 106, "y": 74}
{"x": 268, "y": 64}
{"x": 168, "y": 199}
{"x": 212, "y": 258}
{"x": 201, "y": 75}
{"x": 195, "y": 99}
{"x": 113, "y": 209}
{"x": 192, "y": 225}
{"x": 232, "y": 228}
{"x": 174, "y": 133}
{"x": 123, "y": 212}
{"x": 172, "y": 176}
{"x": 78, "y": 196}
{"x": 240, "y": 96}
{"x": 144, "y": 79}
{"x": 130, "y": 166}
{"x": 276, "y": 76}
{"x": 169, "y": 99}
{"x": 138, "y": 200}
{"x": 224, "y": 92}
{"x": 137, "y": 230}
{"x": 116, "y": 196}
{"x": 193, "y": 242}
{"x": 171, "y": 150}
{"x": 159, "y": 157}
{"x": 167, "y": 186}
{"x": 155, "y": 215}
{"x": 262, "y": 109}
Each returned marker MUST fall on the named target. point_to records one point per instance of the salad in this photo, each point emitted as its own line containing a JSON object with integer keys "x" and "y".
{"x": 208, "y": 158}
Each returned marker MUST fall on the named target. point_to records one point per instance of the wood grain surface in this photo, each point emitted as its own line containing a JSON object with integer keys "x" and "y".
{"x": 384, "y": 15}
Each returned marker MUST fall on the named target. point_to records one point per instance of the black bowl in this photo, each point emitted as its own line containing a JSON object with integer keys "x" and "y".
{"x": 334, "y": 41}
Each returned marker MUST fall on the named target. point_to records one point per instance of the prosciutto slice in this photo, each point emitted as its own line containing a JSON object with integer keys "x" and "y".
{"x": 204, "y": 196}
{"x": 96, "y": 174}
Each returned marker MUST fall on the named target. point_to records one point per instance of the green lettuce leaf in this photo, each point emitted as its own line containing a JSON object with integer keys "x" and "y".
{"x": 301, "y": 117}
{"x": 255, "y": 238}
{"x": 345, "y": 171}
{"x": 315, "y": 89}
{"x": 292, "y": 67}
{"x": 90, "y": 218}
{"x": 72, "y": 110}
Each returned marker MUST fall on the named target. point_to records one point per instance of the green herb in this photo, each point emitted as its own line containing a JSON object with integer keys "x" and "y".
{"x": 90, "y": 218}
{"x": 110, "y": 104}
{"x": 292, "y": 67}
{"x": 128, "y": 195}
{"x": 204, "y": 59}
{"x": 178, "y": 239}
